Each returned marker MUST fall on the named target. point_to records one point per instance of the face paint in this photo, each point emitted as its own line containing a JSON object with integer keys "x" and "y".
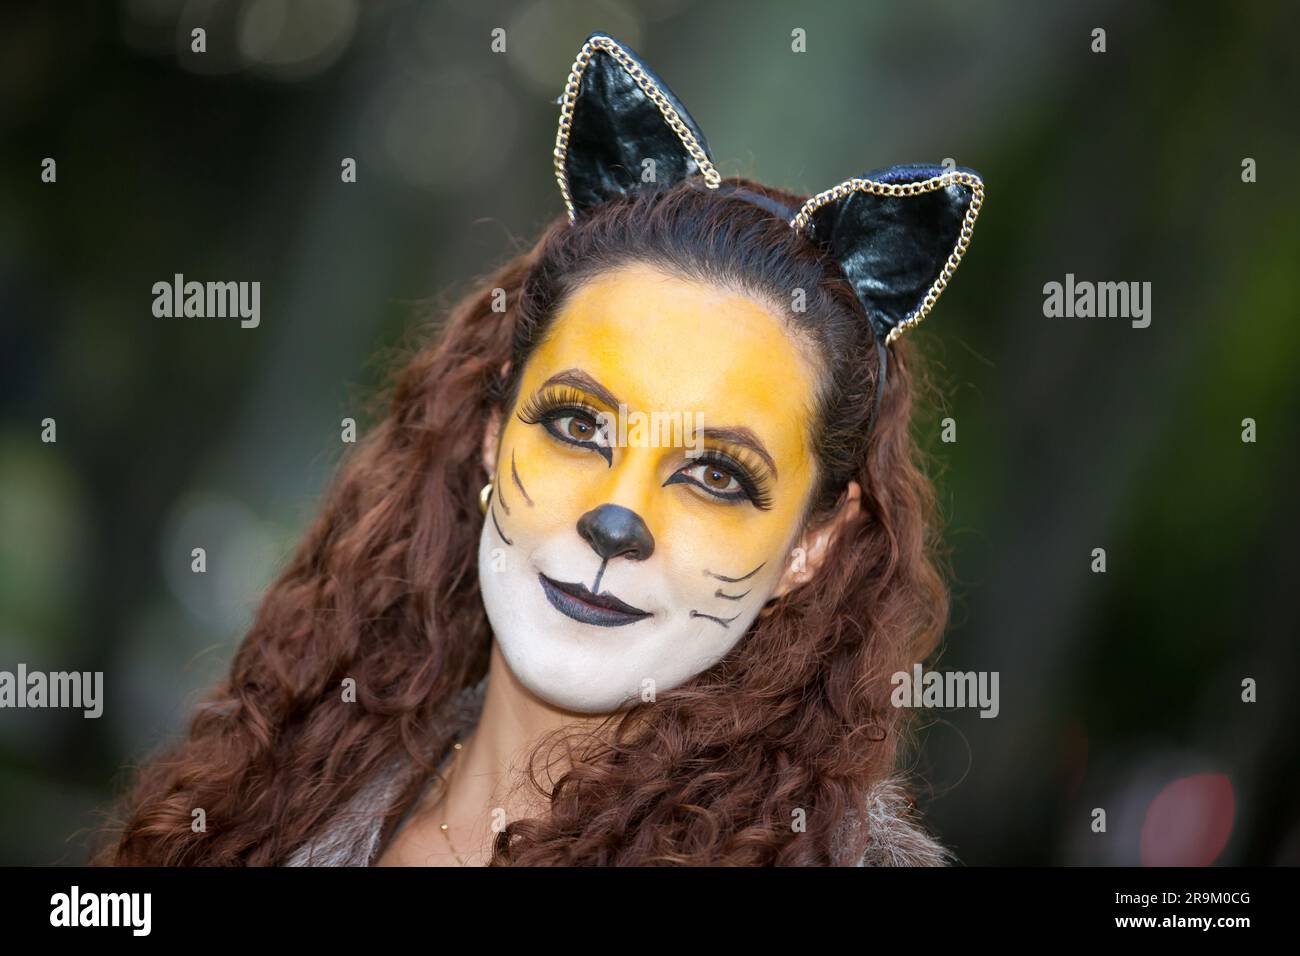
{"x": 611, "y": 570}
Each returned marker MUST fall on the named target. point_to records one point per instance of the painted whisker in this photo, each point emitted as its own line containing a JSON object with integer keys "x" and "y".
{"x": 514, "y": 473}
{"x": 723, "y": 577}
{"x": 725, "y": 622}
{"x": 497, "y": 524}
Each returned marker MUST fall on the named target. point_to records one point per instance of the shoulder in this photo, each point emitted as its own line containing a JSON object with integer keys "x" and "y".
{"x": 355, "y": 835}
{"x": 352, "y": 837}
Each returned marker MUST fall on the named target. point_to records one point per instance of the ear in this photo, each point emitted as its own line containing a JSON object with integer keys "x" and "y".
{"x": 898, "y": 234}
{"x": 491, "y": 442}
{"x": 615, "y": 114}
{"x": 816, "y": 543}
{"x": 492, "y": 435}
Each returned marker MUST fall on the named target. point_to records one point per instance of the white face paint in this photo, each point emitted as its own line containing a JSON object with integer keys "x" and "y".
{"x": 601, "y": 667}
{"x": 690, "y": 547}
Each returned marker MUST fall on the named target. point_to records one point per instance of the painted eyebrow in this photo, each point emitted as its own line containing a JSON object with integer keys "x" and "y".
{"x": 577, "y": 378}
{"x": 742, "y": 436}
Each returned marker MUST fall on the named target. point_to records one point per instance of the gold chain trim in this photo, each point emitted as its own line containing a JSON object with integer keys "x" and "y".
{"x": 712, "y": 177}
{"x": 801, "y": 219}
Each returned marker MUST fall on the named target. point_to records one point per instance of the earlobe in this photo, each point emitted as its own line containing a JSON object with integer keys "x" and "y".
{"x": 816, "y": 543}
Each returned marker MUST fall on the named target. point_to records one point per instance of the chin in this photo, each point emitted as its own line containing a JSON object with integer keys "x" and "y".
{"x": 564, "y": 690}
{"x": 596, "y": 676}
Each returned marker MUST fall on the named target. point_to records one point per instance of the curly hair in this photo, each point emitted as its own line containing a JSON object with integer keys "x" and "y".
{"x": 384, "y": 589}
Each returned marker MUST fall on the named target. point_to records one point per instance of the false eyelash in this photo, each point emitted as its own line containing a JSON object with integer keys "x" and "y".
{"x": 755, "y": 489}
{"x": 550, "y": 400}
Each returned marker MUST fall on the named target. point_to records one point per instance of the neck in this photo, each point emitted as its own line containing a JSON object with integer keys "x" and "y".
{"x": 490, "y": 773}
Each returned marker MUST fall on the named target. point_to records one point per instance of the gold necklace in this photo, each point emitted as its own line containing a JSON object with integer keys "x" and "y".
{"x": 446, "y": 783}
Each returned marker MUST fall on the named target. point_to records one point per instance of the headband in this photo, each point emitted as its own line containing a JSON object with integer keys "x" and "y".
{"x": 897, "y": 233}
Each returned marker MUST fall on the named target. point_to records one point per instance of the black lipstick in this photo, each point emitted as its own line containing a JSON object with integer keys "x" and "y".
{"x": 580, "y": 603}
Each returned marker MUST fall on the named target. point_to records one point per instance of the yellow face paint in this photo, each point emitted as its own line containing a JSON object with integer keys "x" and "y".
{"x": 642, "y": 345}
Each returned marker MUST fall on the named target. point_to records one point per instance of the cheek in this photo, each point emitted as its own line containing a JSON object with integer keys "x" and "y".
{"x": 731, "y": 541}
{"x": 561, "y": 484}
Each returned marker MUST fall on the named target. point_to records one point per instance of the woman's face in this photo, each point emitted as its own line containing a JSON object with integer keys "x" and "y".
{"x": 650, "y": 486}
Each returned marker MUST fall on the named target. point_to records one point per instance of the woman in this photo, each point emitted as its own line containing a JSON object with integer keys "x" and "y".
{"x": 623, "y": 576}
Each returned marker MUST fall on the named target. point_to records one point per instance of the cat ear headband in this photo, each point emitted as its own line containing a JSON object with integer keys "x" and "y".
{"x": 898, "y": 233}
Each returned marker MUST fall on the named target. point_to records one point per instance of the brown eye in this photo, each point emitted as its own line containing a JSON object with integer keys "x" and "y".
{"x": 716, "y": 479}
{"x": 713, "y": 478}
{"x": 719, "y": 478}
{"x": 578, "y": 428}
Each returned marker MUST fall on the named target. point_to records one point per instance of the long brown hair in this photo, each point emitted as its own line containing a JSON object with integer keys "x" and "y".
{"x": 384, "y": 589}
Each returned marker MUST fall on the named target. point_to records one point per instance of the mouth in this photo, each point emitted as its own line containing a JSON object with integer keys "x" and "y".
{"x": 578, "y": 602}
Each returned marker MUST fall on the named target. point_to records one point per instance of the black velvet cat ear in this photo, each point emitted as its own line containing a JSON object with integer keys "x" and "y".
{"x": 615, "y": 114}
{"x": 899, "y": 234}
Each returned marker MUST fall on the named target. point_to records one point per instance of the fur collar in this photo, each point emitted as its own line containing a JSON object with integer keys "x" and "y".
{"x": 352, "y": 838}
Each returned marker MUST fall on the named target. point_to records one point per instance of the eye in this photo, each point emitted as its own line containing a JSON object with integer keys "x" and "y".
{"x": 727, "y": 480}
{"x": 575, "y": 426}
{"x": 714, "y": 479}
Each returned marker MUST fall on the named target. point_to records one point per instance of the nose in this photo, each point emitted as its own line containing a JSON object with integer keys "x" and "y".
{"x": 613, "y": 530}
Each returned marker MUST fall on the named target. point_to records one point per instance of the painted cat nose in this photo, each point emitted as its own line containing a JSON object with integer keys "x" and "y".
{"x": 613, "y": 530}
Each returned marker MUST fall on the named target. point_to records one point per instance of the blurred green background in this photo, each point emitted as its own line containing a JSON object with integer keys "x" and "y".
{"x": 1118, "y": 690}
